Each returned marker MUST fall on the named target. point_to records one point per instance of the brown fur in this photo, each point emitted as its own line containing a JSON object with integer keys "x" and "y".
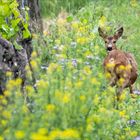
{"x": 118, "y": 64}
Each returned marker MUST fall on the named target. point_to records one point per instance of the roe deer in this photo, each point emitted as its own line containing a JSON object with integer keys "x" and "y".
{"x": 120, "y": 67}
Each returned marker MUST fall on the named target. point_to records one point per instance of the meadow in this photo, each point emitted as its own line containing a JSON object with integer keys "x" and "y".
{"x": 74, "y": 101}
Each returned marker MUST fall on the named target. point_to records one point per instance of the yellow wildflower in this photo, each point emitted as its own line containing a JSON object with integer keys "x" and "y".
{"x": 1, "y": 138}
{"x": 121, "y": 81}
{"x": 102, "y": 21}
{"x": 1, "y": 97}
{"x": 54, "y": 134}
{"x": 82, "y": 97}
{"x": 70, "y": 133}
{"x": 6, "y": 114}
{"x": 110, "y": 65}
{"x": 108, "y": 75}
{"x": 66, "y": 134}
{"x": 82, "y": 40}
{"x": 82, "y": 29}
{"x": 111, "y": 89}
{"x": 123, "y": 97}
{"x": 121, "y": 67}
{"x": 9, "y": 74}
{"x": 4, "y": 123}
{"x": 18, "y": 81}
{"x": 122, "y": 113}
{"x": 25, "y": 109}
{"x": 58, "y": 95}
{"x": 89, "y": 120}
{"x": 122, "y": 137}
{"x": 96, "y": 119}
{"x": 19, "y": 134}
{"x": 42, "y": 131}
{"x": 52, "y": 67}
{"x": 133, "y": 3}
{"x": 29, "y": 89}
{"x": 34, "y": 54}
{"x": 75, "y": 25}
{"x": 42, "y": 84}
{"x": 50, "y": 107}
{"x": 128, "y": 67}
{"x": 102, "y": 109}
{"x": 66, "y": 98}
{"x": 7, "y": 93}
{"x": 133, "y": 133}
{"x": 34, "y": 64}
{"x": 87, "y": 70}
{"x": 96, "y": 100}
{"x": 4, "y": 101}
{"x": 37, "y": 136}
{"x": 11, "y": 84}
{"x": 88, "y": 53}
{"x": 94, "y": 81}
{"x": 78, "y": 84}
{"x": 89, "y": 127}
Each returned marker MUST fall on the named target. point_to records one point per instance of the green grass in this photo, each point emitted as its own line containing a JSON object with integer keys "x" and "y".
{"x": 53, "y": 7}
{"x": 74, "y": 101}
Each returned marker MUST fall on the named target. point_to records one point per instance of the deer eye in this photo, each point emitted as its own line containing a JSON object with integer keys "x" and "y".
{"x": 114, "y": 41}
{"x": 105, "y": 41}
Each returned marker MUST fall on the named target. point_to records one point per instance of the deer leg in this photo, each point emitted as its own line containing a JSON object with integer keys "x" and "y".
{"x": 121, "y": 87}
{"x": 118, "y": 94}
{"x": 113, "y": 80}
{"x": 131, "y": 89}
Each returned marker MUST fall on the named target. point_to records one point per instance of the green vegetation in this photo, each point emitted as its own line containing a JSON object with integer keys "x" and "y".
{"x": 53, "y": 7}
{"x": 10, "y": 20}
{"x": 73, "y": 100}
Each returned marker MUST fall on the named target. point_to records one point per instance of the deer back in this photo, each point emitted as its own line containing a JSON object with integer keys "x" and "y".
{"x": 121, "y": 65}
{"x": 134, "y": 70}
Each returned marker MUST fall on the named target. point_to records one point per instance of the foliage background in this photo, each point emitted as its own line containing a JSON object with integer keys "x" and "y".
{"x": 73, "y": 100}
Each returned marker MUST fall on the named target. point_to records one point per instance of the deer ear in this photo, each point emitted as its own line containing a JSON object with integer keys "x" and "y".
{"x": 101, "y": 33}
{"x": 119, "y": 33}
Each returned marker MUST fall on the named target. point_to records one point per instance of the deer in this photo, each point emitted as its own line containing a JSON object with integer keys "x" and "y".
{"x": 121, "y": 67}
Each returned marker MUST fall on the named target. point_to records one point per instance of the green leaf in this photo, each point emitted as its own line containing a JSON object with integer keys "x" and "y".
{"x": 15, "y": 22}
{"x": 27, "y": 16}
{"x": 17, "y": 46}
{"x": 4, "y": 10}
{"x": 6, "y": 1}
{"x": 69, "y": 18}
{"x": 16, "y": 12}
{"x": 26, "y": 34}
{"x": 11, "y": 33}
{"x": 13, "y": 5}
{"x": 5, "y": 28}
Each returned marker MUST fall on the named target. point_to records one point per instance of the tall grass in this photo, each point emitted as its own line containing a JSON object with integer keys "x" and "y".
{"x": 53, "y": 7}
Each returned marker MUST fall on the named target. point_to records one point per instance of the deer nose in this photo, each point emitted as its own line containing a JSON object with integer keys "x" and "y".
{"x": 109, "y": 48}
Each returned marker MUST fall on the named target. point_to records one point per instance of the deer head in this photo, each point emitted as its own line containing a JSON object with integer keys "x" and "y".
{"x": 110, "y": 41}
